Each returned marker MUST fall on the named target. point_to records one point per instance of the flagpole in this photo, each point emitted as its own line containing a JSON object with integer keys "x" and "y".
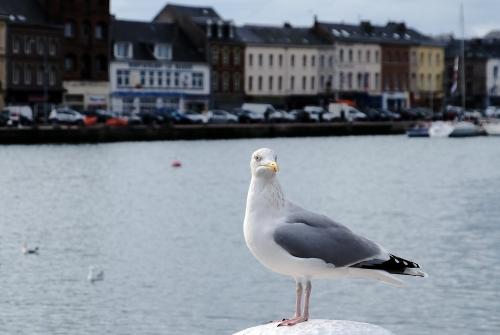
{"x": 462, "y": 70}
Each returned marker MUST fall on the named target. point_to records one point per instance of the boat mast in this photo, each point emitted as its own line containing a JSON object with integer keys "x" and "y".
{"x": 462, "y": 51}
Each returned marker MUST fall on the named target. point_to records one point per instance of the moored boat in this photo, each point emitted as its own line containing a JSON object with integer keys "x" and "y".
{"x": 465, "y": 129}
{"x": 492, "y": 128}
{"x": 440, "y": 129}
{"x": 419, "y": 130}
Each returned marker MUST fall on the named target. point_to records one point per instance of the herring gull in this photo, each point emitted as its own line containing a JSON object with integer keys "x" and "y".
{"x": 296, "y": 242}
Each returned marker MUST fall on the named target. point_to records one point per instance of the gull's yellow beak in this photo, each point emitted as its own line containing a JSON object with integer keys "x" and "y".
{"x": 273, "y": 166}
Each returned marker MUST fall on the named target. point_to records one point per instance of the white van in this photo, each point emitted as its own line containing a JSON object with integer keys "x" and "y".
{"x": 261, "y": 109}
{"x": 344, "y": 111}
{"x": 19, "y": 115}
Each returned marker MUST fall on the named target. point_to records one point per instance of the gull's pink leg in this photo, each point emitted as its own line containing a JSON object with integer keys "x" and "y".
{"x": 298, "y": 302}
{"x": 300, "y": 318}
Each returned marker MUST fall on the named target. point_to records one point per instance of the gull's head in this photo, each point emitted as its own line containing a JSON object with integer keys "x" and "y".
{"x": 263, "y": 163}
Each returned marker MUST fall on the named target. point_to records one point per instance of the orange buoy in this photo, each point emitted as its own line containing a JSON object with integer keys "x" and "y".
{"x": 176, "y": 163}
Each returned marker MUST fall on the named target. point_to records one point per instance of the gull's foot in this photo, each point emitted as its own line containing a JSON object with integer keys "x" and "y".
{"x": 277, "y": 321}
{"x": 292, "y": 322}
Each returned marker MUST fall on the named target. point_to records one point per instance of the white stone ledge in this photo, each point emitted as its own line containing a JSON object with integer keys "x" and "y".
{"x": 318, "y": 327}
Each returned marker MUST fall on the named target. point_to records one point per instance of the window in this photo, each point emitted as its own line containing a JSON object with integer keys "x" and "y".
{"x": 322, "y": 61}
{"x": 292, "y": 83}
{"x": 16, "y": 74}
{"x": 225, "y": 57}
{"x": 39, "y": 46}
{"x": 250, "y": 60}
{"x": 167, "y": 78}
{"x": 280, "y": 83}
{"x": 69, "y": 29}
{"x": 341, "y": 55}
{"x": 260, "y": 59}
{"x": 260, "y": 83}
{"x": 438, "y": 81}
{"x": 236, "y": 56}
{"x": 304, "y": 61}
{"x": 421, "y": 58}
{"x": 123, "y": 50}
{"x": 292, "y": 60}
{"x": 100, "y": 31}
{"x": 429, "y": 82}
{"x": 225, "y": 82}
{"x": 330, "y": 61}
{"x": 359, "y": 56}
{"x": 52, "y": 76}
{"x": 69, "y": 63}
{"x": 52, "y": 47}
{"x": 313, "y": 83}
{"x": 321, "y": 82}
{"x": 250, "y": 83}
{"x": 215, "y": 56}
{"x": 304, "y": 83}
{"x": 280, "y": 60}
{"x": 350, "y": 56}
{"x": 101, "y": 63}
{"x": 438, "y": 59}
{"x": 360, "y": 80}
{"x": 197, "y": 80}
{"x": 270, "y": 60}
{"x": 422, "y": 81}
{"x": 236, "y": 82}
{"x": 313, "y": 61}
{"x": 270, "y": 83}
{"x": 27, "y": 75}
{"x": 377, "y": 81}
{"x": 28, "y": 45}
{"x": 349, "y": 80}
{"x": 39, "y": 76}
{"x": 143, "y": 78}
{"x": 341, "y": 79}
{"x": 215, "y": 82}
{"x": 15, "y": 45}
{"x": 86, "y": 29}
{"x": 368, "y": 56}
{"x": 377, "y": 56}
{"x": 429, "y": 59}
{"x": 163, "y": 51}
{"x": 159, "y": 78}
{"x": 176, "y": 79}
{"x": 122, "y": 78}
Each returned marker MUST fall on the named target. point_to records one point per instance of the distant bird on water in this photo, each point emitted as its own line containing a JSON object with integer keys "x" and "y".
{"x": 95, "y": 275}
{"x": 176, "y": 163}
{"x": 27, "y": 251}
{"x": 304, "y": 245}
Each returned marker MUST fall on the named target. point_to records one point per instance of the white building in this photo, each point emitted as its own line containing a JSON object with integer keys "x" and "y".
{"x": 493, "y": 77}
{"x": 282, "y": 62}
{"x": 155, "y": 67}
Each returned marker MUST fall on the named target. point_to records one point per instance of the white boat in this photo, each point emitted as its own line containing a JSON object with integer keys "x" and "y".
{"x": 492, "y": 128}
{"x": 465, "y": 129}
{"x": 440, "y": 129}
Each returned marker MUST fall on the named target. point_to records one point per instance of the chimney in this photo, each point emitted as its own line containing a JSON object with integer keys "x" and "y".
{"x": 287, "y": 25}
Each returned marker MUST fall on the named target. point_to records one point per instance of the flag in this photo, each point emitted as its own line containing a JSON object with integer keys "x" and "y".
{"x": 455, "y": 77}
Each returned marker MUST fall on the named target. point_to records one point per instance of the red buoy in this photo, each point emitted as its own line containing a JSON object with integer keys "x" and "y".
{"x": 176, "y": 163}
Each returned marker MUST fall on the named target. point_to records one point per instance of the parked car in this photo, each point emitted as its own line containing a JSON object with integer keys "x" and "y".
{"x": 263, "y": 109}
{"x": 300, "y": 115}
{"x": 345, "y": 112}
{"x": 220, "y": 116}
{"x": 280, "y": 116}
{"x": 18, "y": 115}
{"x": 192, "y": 117}
{"x": 417, "y": 113}
{"x": 65, "y": 115}
{"x": 133, "y": 118}
{"x": 314, "y": 112}
{"x": 492, "y": 111}
{"x": 246, "y": 116}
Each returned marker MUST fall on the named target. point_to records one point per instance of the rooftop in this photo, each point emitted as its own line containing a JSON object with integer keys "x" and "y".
{"x": 288, "y": 35}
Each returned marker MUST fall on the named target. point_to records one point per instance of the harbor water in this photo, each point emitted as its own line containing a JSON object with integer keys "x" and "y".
{"x": 170, "y": 240}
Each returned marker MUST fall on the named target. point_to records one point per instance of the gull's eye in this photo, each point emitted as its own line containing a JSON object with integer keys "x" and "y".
{"x": 257, "y": 158}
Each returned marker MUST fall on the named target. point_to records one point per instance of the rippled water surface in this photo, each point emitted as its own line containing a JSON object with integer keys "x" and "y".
{"x": 171, "y": 244}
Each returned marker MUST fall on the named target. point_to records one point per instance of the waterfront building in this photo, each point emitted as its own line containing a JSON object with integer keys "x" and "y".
{"x": 33, "y": 58}
{"x": 86, "y": 50}
{"x": 372, "y": 63}
{"x": 216, "y": 38}
{"x": 155, "y": 66}
{"x": 283, "y": 65}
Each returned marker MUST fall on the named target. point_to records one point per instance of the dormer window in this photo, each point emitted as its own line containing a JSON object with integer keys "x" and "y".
{"x": 123, "y": 50}
{"x": 163, "y": 51}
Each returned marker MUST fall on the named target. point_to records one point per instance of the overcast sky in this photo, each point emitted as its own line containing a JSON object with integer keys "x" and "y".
{"x": 429, "y": 16}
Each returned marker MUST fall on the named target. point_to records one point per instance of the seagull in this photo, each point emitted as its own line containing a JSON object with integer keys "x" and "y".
{"x": 94, "y": 276}
{"x": 299, "y": 243}
{"x": 26, "y": 251}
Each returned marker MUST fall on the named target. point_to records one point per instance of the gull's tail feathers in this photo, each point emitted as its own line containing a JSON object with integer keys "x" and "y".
{"x": 394, "y": 265}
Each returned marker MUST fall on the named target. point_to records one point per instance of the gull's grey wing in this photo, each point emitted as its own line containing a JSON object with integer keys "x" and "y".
{"x": 309, "y": 235}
